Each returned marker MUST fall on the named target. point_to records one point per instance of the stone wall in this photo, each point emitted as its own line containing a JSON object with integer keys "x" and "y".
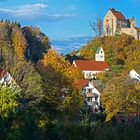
{"x": 130, "y": 31}
{"x": 111, "y": 22}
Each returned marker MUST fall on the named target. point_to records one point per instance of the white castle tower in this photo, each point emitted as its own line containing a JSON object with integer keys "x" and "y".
{"x": 100, "y": 54}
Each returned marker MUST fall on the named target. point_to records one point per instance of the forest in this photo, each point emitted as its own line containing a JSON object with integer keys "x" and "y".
{"x": 49, "y": 106}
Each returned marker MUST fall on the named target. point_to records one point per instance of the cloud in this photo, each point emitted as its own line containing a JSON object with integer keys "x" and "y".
{"x": 67, "y": 45}
{"x": 70, "y": 8}
{"x": 32, "y": 7}
{"x": 33, "y": 13}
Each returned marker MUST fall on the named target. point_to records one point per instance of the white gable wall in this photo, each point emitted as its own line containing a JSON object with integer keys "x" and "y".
{"x": 100, "y": 56}
{"x": 110, "y": 22}
{"x": 74, "y": 64}
{"x": 6, "y": 79}
{"x": 95, "y": 92}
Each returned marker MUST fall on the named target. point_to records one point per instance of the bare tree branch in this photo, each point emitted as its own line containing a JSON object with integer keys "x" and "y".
{"x": 97, "y": 27}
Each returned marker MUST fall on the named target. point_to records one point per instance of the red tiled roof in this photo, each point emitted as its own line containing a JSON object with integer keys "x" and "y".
{"x": 118, "y": 14}
{"x": 91, "y": 65}
{"x": 82, "y": 83}
{"x": 2, "y": 73}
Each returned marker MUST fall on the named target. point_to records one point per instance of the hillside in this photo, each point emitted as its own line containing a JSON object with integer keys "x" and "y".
{"x": 20, "y": 49}
{"x": 119, "y": 94}
{"x": 49, "y": 102}
{"x": 48, "y": 94}
{"x": 121, "y": 51}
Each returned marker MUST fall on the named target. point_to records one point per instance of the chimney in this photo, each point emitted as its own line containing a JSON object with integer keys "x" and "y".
{"x": 112, "y": 9}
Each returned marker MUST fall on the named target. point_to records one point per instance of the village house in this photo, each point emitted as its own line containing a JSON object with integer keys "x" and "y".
{"x": 134, "y": 75}
{"x": 90, "y": 94}
{"x": 7, "y": 80}
{"x": 116, "y": 23}
{"x": 90, "y": 70}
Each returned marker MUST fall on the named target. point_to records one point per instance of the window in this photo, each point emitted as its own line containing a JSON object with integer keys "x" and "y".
{"x": 88, "y": 74}
{"x": 89, "y": 90}
{"x": 89, "y": 99}
{"x": 96, "y": 97}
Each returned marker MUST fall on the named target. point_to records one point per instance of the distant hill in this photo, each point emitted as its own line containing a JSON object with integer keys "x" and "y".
{"x": 68, "y": 45}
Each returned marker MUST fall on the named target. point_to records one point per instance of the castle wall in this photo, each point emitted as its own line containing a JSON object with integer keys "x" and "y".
{"x": 130, "y": 31}
{"x": 110, "y": 22}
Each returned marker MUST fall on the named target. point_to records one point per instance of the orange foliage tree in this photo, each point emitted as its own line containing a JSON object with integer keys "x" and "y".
{"x": 59, "y": 79}
{"x": 19, "y": 41}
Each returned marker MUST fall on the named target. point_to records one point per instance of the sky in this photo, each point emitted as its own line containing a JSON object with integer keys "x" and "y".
{"x": 65, "y": 22}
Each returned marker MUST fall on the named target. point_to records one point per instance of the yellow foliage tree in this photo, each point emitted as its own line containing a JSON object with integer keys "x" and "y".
{"x": 19, "y": 42}
{"x": 119, "y": 96}
{"x": 59, "y": 78}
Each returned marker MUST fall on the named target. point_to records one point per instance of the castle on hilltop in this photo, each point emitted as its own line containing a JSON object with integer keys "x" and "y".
{"x": 116, "y": 23}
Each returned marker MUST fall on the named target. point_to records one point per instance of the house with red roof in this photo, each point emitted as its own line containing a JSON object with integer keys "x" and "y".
{"x": 116, "y": 23}
{"x": 90, "y": 94}
{"x": 91, "y": 68}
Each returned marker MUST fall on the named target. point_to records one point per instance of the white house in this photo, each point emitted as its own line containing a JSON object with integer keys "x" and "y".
{"x": 134, "y": 75}
{"x": 7, "y": 80}
{"x": 90, "y": 68}
{"x": 90, "y": 93}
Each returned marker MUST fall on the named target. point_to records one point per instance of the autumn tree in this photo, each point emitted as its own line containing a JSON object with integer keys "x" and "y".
{"x": 5, "y": 31}
{"x": 8, "y": 101}
{"x": 38, "y": 43}
{"x": 119, "y": 96}
{"x": 18, "y": 41}
{"x": 58, "y": 76}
